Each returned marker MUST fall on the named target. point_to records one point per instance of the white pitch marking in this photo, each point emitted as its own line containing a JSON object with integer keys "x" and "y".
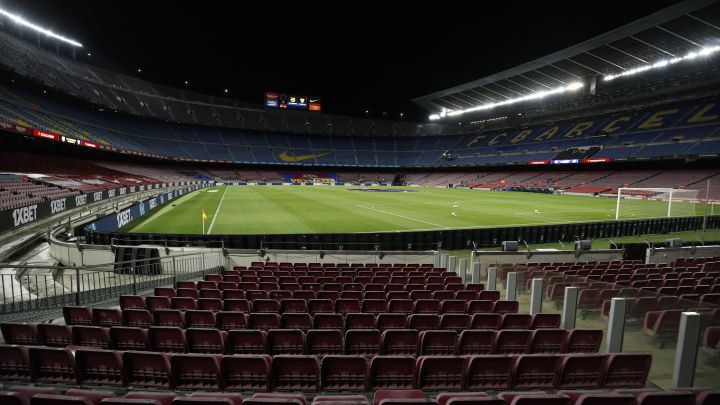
{"x": 217, "y": 211}
{"x": 401, "y": 216}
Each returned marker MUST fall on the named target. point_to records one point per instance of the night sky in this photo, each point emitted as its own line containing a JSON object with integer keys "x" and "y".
{"x": 355, "y": 55}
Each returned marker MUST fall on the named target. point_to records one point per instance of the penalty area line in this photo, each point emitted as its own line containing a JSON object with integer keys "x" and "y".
{"x": 217, "y": 211}
{"x": 401, "y": 216}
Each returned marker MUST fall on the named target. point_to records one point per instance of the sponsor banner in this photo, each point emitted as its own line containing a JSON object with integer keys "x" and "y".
{"x": 597, "y": 160}
{"x": 13, "y": 218}
{"x": 46, "y": 135}
{"x": 539, "y": 162}
{"x": 89, "y": 144}
{"x": 20, "y": 129}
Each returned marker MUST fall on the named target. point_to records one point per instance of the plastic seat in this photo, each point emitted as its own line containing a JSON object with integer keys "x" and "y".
{"x": 666, "y": 398}
{"x": 132, "y": 302}
{"x": 437, "y": 342}
{"x": 21, "y": 394}
{"x": 294, "y": 373}
{"x": 391, "y": 373}
{"x": 139, "y": 318}
{"x": 92, "y": 336}
{"x": 14, "y": 363}
{"x": 210, "y": 304}
{"x": 390, "y": 321}
{"x": 545, "y": 321}
{"x": 535, "y": 371}
{"x": 426, "y": 306}
{"x": 246, "y": 341}
{"x": 195, "y": 372}
{"x": 316, "y": 306}
{"x": 584, "y": 340}
{"x": 223, "y": 398}
{"x": 359, "y": 321}
{"x": 456, "y": 322}
{"x": 169, "y": 317}
{"x": 51, "y": 365}
{"x": 228, "y": 320}
{"x": 77, "y": 315}
{"x": 266, "y": 305}
{"x": 266, "y": 398}
{"x": 512, "y": 341}
{"x": 21, "y": 334}
{"x": 515, "y": 321}
{"x": 581, "y": 371}
{"x": 167, "y": 339}
{"x": 302, "y": 321}
{"x": 403, "y": 306}
{"x": 157, "y": 302}
{"x": 408, "y": 397}
{"x": 99, "y": 367}
{"x": 491, "y": 295}
{"x": 183, "y": 303}
{"x": 399, "y": 342}
{"x": 475, "y": 342}
{"x": 453, "y": 307}
{"x": 347, "y": 306}
{"x": 147, "y": 370}
{"x": 324, "y": 342}
{"x": 343, "y": 373}
{"x": 285, "y": 341}
{"x": 488, "y": 373}
{"x": 485, "y": 321}
{"x": 605, "y": 399}
{"x": 505, "y": 307}
{"x": 233, "y": 293}
{"x": 246, "y": 372}
{"x": 547, "y": 399}
{"x": 627, "y": 370}
{"x": 164, "y": 398}
{"x": 328, "y": 321}
{"x": 374, "y": 306}
{"x": 362, "y": 342}
{"x": 293, "y": 305}
{"x": 45, "y": 399}
{"x": 124, "y": 338}
{"x": 435, "y": 373}
{"x": 236, "y": 305}
{"x": 205, "y": 340}
{"x": 263, "y": 321}
{"x": 107, "y": 317}
{"x": 423, "y": 322}
{"x": 548, "y": 341}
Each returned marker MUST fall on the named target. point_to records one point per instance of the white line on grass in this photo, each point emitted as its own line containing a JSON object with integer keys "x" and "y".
{"x": 217, "y": 211}
{"x": 401, "y": 216}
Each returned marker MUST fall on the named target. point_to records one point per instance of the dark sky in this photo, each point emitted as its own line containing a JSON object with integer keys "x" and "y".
{"x": 356, "y": 55}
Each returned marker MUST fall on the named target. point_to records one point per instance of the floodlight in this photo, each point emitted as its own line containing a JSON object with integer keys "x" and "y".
{"x": 21, "y": 21}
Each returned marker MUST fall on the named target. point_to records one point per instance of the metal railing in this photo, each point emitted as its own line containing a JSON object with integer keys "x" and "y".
{"x": 40, "y": 291}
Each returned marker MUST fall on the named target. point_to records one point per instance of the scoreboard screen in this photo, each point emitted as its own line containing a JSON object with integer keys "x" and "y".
{"x": 292, "y": 101}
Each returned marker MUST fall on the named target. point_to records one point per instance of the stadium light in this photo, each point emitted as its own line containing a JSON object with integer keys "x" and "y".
{"x": 704, "y": 52}
{"x": 533, "y": 96}
{"x": 25, "y": 23}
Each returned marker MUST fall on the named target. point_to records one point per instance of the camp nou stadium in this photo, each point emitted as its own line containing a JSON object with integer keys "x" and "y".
{"x": 387, "y": 208}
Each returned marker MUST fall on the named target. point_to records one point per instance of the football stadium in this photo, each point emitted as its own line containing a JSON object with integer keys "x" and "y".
{"x": 198, "y": 209}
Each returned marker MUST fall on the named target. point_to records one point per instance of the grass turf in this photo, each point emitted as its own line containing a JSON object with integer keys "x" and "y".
{"x": 321, "y": 209}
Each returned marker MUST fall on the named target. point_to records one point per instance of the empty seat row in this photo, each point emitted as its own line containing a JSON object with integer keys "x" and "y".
{"x": 314, "y": 305}
{"x": 319, "y": 342}
{"x": 95, "y": 367}
{"x": 28, "y": 395}
{"x": 409, "y": 292}
{"x": 208, "y": 318}
{"x": 328, "y": 278}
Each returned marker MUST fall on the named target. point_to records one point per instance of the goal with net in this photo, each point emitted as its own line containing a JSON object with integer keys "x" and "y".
{"x": 638, "y": 203}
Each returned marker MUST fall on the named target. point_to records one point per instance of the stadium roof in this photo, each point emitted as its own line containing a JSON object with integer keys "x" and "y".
{"x": 688, "y": 26}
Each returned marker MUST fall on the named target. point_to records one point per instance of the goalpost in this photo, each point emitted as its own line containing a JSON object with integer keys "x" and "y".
{"x": 639, "y": 203}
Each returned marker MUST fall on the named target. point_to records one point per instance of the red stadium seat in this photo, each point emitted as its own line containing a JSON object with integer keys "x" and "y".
{"x": 285, "y": 341}
{"x": 437, "y": 373}
{"x": 362, "y": 342}
{"x": 343, "y": 373}
{"x": 294, "y": 373}
{"x": 246, "y": 341}
{"x": 195, "y": 372}
{"x": 167, "y": 339}
{"x": 246, "y": 372}
{"x": 99, "y": 367}
{"x": 391, "y": 373}
{"x": 14, "y": 363}
{"x": 147, "y": 370}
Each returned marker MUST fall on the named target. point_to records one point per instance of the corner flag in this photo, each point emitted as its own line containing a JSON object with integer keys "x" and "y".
{"x": 204, "y": 219}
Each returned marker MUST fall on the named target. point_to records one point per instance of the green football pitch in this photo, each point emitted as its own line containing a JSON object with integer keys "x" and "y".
{"x": 325, "y": 209}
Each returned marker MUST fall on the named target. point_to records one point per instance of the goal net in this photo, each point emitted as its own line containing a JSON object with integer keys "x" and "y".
{"x": 639, "y": 203}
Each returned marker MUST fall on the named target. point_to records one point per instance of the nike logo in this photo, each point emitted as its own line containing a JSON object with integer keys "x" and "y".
{"x": 299, "y": 158}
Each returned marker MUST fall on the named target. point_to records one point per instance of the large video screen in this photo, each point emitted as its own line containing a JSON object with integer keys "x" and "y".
{"x": 292, "y": 101}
